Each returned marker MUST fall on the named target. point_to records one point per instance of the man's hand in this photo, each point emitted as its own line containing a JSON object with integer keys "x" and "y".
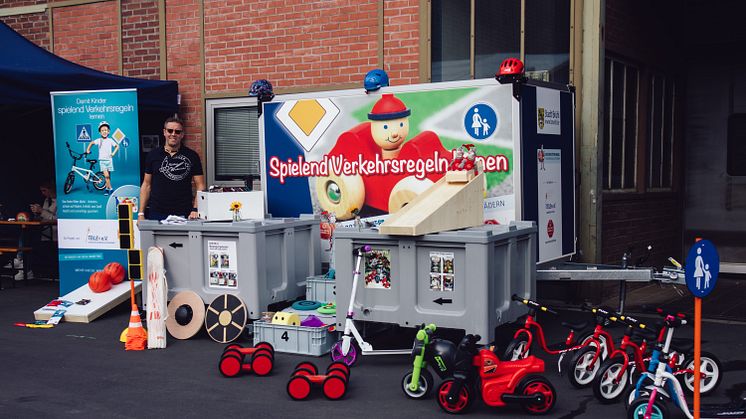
{"x": 193, "y": 215}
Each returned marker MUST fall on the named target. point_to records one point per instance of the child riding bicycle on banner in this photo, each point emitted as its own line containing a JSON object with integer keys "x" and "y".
{"x": 107, "y": 148}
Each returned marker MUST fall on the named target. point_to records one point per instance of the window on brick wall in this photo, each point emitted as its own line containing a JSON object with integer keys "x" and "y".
{"x": 495, "y": 27}
{"x": 232, "y": 140}
{"x": 662, "y": 91}
{"x": 620, "y": 125}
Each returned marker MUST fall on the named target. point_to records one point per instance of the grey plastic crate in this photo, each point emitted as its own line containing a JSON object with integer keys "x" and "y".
{"x": 273, "y": 257}
{"x": 303, "y": 340}
{"x": 472, "y": 291}
{"x": 320, "y": 288}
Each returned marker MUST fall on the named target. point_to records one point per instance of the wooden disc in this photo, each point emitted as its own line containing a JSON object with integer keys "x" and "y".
{"x": 225, "y": 318}
{"x": 342, "y": 195}
{"x": 192, "y": 300}
{"x": 405, "y": 191}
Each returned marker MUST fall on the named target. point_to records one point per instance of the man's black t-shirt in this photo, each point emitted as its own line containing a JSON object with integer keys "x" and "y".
{"x": 171, "y": 185}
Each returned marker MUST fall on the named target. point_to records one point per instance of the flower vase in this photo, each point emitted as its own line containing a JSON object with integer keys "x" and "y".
{"x": 236, "y": 215}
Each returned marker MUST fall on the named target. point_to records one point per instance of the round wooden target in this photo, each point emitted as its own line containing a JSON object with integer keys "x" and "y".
{"x": 225, "y": 318}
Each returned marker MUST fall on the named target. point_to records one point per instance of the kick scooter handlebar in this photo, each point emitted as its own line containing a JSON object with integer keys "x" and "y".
{"x": 533, "y": 304}
{"x": 363, "y": 249}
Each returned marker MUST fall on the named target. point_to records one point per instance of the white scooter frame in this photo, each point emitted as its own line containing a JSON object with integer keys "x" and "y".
{"x": 344, "y": 350}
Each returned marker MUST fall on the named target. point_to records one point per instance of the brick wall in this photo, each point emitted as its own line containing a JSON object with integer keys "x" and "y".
{"x": 292, "y": 43}
{"x": 140, "y": 39}
{"x": 401, "y": 38}
{"x": 89, "y": 35}
{"x": 184, "y": 51}
{"x": 644, "y": 35}
{"x": 33, "y": 26}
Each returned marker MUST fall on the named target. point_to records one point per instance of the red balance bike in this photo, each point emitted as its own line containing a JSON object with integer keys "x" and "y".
{"x": 590, "y": 349}
{"x": 499, "y": 382}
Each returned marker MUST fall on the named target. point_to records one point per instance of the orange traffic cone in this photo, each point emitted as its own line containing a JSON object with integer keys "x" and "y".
{"x": 137, "y": 337}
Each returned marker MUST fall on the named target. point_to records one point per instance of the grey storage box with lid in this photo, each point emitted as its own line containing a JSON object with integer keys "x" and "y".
{"x": 267, "y": 261}
{"x": 461, "y": 279}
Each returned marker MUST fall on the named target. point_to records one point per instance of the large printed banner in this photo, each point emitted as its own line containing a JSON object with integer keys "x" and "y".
{"x": 95, "y": 133}
{"x": 353, "y": 154}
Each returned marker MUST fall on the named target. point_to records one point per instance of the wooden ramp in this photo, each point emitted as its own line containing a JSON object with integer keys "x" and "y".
{"x": 454, "y": 202}
{"x": 100, "y": 303}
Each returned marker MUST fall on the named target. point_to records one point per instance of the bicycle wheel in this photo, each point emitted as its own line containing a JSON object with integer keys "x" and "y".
{"x": 583, "y": 369}
{"x": 709, "y": 365}
{"x": 99, "y": 181}
{"x": 425, "y": 383}
{"x": 639, "y": 406}
{"x": 517, "y": 349}
{"x": 606, "y": 387}
{"x": 69, "y": 182}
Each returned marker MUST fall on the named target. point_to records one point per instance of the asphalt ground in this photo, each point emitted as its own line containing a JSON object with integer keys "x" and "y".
{"x": 82, "y": 370}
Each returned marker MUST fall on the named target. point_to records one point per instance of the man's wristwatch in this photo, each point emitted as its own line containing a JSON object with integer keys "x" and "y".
{"x": 140, "y": 213}
{"x": 194, "y": 209}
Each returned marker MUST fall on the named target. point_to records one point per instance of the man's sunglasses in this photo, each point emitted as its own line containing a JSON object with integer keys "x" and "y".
{"x": 171, "y": 131}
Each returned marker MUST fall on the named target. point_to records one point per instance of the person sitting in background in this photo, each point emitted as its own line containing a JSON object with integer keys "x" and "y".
{"x": 47, "y": 211}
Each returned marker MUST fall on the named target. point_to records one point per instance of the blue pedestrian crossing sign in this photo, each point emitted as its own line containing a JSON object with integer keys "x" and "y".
{"x": 83, "y": 133}
{"x": 702, "y": 268}
{"x": 480, "y": 121}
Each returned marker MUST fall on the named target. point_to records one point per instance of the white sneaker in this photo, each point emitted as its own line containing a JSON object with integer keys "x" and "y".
{"x": 18, "y": 263}
{"x": 29, "y": 275}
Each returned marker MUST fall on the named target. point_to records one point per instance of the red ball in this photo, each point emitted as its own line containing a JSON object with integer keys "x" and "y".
{"x": 116, "y": 271}
{"x": 99, "y": 281}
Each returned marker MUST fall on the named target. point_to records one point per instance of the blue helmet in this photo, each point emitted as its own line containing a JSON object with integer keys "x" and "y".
{"x": 262, "y": 90}
{"x": 375, "y": 79}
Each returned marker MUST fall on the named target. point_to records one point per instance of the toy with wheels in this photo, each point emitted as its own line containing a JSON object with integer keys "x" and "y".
{"x": 499, "y": 382}
{"x": 305, "y": 375}
{"x": 233, "y": 359}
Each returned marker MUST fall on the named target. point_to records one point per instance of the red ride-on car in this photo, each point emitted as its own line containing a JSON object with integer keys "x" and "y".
{"x": 333, "y": 383}
{"x": 233, "y": 360}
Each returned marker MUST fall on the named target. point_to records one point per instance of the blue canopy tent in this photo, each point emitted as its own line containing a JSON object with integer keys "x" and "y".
{"x": 28, "y": 74}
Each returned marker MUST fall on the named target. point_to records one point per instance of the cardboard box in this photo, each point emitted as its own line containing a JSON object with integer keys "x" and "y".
{"x": 216, "y": 206}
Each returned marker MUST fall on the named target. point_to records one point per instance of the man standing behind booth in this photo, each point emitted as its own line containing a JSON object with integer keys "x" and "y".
{"x": 167, "y": 186}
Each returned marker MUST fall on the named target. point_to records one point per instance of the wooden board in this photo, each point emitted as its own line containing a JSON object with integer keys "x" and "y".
{"x": 444, "y": 206}
{"x": 100, "y": 303}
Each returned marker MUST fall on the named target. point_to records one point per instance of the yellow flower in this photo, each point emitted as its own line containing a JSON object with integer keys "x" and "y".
{"x": 235, "y": 206}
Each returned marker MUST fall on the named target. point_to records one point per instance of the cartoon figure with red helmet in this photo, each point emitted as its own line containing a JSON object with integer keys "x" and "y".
{"x": 383, "y": 137}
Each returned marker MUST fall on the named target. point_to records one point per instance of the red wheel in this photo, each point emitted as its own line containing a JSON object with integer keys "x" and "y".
{"x": 264, "y": 351}
{"x": 299, "y": 387}
{"x": 535, "y": 384}
{"x": 232, "y": 346}
{"x": 266, "y": 345}
{"x": 334, "y": 387}
{"x": 463, "y": 401}
{"x": 230, "y": 365}
{"x": 262, "y": 364}
{"x": 302, "y": 371}
{"x": 308, "y": 366}
{"x": 234, "y": 352}
{"x": 340, "y": 366}
{"x": 338, "y": 373}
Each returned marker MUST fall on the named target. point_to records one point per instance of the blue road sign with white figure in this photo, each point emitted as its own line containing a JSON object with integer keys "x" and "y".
{"x": 480, "y": 121}
{"x": 702, "y": 268}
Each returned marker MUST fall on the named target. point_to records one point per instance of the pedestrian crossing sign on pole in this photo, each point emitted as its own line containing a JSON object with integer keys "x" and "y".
{"x": 702, "y": 268}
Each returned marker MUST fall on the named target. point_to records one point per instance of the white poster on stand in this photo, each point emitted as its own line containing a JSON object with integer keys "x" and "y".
{"x": 549, "y": 168}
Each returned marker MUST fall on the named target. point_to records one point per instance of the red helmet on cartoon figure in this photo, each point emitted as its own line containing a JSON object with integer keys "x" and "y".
{"x": 510, "y": 70}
